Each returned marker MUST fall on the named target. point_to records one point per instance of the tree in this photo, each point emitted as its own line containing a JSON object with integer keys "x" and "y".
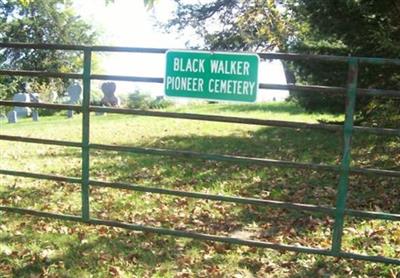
{"x": 341, "y": 27}
{"x": 235, "y": 25}
{"x": 40, "y": 21}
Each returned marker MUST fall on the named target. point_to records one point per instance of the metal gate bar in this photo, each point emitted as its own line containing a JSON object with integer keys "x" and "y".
{"x": 338, "y": 212}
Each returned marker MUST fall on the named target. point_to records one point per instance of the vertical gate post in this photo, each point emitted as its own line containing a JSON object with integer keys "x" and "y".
{"x": 87, "y": 60}
{"x": 346, "y": 156}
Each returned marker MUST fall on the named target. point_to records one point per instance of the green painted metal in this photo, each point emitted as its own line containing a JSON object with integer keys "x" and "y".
{"x": 40, "y": 176}
{"x": 32, "y": 73}
{"x": 250, "y": 201}
{"x": 41, "y": 141}
{"x": 87, "y": 55}
{"x": 244, "y": 160}
{"x": 249, "y": 121}
{"x": 346, "y": 158}
{"x": 233, "y": 199}
{"x": 212, "y": 118}
{"x": 339, "y": 211}
{"x": 211, "y": 75}
{"x": 41, "y": 105}
{"x": 200, "y": 236}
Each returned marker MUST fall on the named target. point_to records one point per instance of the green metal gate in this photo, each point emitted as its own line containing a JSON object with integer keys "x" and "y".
{"x": 344, "y": 170}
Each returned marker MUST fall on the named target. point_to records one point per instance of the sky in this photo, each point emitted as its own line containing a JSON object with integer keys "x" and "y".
{"x": 129, "y": 23}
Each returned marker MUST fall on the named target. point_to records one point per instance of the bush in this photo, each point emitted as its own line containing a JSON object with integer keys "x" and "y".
{"x": 160, "y": 103}
{"x": 139, "y": 100}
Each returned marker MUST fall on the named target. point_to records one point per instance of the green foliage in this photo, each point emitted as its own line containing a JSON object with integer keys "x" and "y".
{"x": 357, "y": 28}
{"x": 344, "y": 27}
{"x": 236, "y": 25}
{"x": 95, "y": 96}
{"x": 34, "y": 246}
{"x": 41, "y": 21}
{"x": 160, "y": 103}
{"x": 138, "y": 100}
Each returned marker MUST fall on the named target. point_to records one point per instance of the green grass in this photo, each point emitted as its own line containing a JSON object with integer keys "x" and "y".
{"x": 31, "y": 245}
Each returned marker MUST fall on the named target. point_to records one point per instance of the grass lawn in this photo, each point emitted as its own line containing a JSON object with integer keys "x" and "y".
{"x": 39, "y": 247}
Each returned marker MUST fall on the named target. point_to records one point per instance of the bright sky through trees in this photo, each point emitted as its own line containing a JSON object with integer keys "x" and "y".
{"x": 129, "y": 23}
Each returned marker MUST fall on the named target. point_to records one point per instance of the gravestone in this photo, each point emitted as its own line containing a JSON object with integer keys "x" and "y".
{"x": 34, "y": 97}
{"x": 22, "y": 111}
{"x": 109, "y": 98}
{"x": 35, "y": 115}
{"x": 70, "y": 113}
{"x": 74, "y": 92}
{"x": 12, "y": 117}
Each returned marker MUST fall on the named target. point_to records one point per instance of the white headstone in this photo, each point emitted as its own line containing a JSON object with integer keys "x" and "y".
{"x": 70, "y": 113}
{"x": 109, "y": 98}
{"x": 12, "y": 117}
{"x": 74, "y": 92}
{"x": 22, "y": 111}
{"x": 35, "y": 115}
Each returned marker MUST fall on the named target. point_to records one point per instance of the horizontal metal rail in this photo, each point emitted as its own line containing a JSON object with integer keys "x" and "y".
{"x": 163, "y": 231}
{"x": 198, "y": 195}
{"x": 248, "y": 201}
{"x": 40, "y": 176}
{"x": 378, "y": 172}
{"x": 32, "y": 212}
{"x": 239, "y": 120}
{"x": 205, "y": 156}
{"x": 160, "y": 80}
{"x": 204, "y": 117}
{"x": 40, "y": 141}
{"x": 242, "y": 159}
{"x": 34, "y": 73}
{"x": 378, "y": 92}
{"x": 290, "y": 87}
{"x": 264, "y": 55}
{"x": 201, "y": 236}
{"x": 330, "y": 89}
{"x": 216, "y": 157}
{"x": 44, "y": 46}
{"x": 372, "y": 215}
{"x": 338, "y": 212}
{"x": 42, "y": 105}
{"x": 127, "y": 78}
{"x": 218, "y": 118}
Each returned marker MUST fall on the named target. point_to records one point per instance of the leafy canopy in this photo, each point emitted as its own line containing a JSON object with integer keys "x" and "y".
{"x": 340, "y": 27}
{"x": 40, "y": 21}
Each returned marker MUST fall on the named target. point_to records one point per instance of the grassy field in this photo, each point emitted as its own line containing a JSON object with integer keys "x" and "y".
{"x": 38, "y": 247}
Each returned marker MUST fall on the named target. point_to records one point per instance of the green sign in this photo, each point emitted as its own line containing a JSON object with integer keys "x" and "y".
{"x": 211, "y": 75}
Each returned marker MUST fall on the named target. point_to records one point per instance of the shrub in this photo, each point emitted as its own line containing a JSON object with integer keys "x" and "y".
{"x": 138, "y": 100}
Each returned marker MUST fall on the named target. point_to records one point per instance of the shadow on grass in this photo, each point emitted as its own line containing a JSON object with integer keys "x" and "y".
{"x": 104, "y": 252}
{"x": 296, "y": 185}
{"x": 242, "y": 179}
{"x": 94, "y": 254}
{"x": 279, "y": 107}
{"x": 304, "y": 186}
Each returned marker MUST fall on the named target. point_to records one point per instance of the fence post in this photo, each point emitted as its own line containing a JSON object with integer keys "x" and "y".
{"x": 346, "y": 156}
{"x": 87, "y": 60}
